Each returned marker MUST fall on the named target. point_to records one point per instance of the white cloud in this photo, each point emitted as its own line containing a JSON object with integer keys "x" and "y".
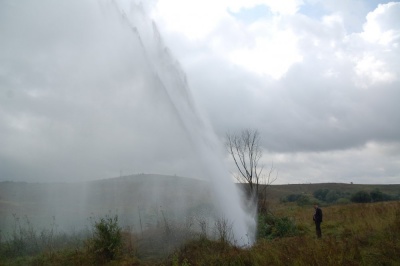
{"x": 264, "y": 47}
{"x": 194, "y": 19}
{"x": 383, "y": 26}
{"x": 370, "y": 71}
{"x": 278, "y": 7}
{"x": 375, "y": 63}
{"x": 272, "y": 54}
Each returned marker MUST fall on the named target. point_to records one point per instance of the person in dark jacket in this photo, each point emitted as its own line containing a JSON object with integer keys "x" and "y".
{"x": 318, "y": 220}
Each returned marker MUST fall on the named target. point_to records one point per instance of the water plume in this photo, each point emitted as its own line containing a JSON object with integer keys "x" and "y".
{"x": 93, "y": 91}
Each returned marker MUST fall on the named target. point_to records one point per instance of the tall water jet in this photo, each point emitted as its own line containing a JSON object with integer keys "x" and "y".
{"x": 94, "y": 79}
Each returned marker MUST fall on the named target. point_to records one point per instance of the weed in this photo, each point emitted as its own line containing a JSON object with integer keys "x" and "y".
{"x": 224, "y": 230}
{"x": 26, "y": 240}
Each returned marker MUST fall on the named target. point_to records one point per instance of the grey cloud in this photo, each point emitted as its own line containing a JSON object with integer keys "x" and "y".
{"x": 319, "y": 120}
{"x": 79, "y": 98}
{"x": 317, "y": 106}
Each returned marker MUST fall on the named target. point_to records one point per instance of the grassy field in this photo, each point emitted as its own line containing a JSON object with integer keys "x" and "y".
{"x": 355, "y": 234}
{"x": 352, "y": 234}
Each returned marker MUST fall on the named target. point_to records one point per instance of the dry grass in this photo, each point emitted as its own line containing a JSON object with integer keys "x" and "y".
{"x": 356, "y": 234}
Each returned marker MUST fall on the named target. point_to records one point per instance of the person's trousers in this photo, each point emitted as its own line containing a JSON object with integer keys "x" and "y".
{"x": 318, "y": 229}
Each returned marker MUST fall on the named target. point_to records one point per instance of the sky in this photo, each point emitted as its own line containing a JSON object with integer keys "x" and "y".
{"x": 319, "y": 80}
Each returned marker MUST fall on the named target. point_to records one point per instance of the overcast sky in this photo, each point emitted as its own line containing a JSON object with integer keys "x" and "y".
{"x": 318, "y": 79}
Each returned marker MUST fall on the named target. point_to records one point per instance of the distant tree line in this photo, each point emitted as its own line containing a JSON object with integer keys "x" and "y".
{"x": 330, "y": 196}
{"x": 301, "y": 199}
{"x": 335, "y": 196}
{"x": 374, "y": 196}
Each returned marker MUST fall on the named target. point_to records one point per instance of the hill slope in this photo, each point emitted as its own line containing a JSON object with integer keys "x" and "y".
{"x": 143, "y": 196}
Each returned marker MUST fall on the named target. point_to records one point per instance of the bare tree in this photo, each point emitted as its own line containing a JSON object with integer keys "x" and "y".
{"x": 266, "y": 181}
{"x": 246, "y": 152}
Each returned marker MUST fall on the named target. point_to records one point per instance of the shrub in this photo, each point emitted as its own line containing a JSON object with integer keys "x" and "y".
{"x": 270, "y": 226}
{"x": 321, "y": 193}
{"x": 377, "y": 195}
{"x": 224, "y": 230}
{"x": 303, "y": 200}
{"x": 331, "y": 196}
{"x": 361, "y": 197}
{"x": 106, "y": 241}
{"x": 293, "y": 197}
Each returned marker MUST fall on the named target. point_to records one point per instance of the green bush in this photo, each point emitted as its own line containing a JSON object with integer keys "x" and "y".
{"x": 331, "y": 196}
{"x": 377, "y": 195}
{"x": 321, "y": 193}
{"x": 106, "y": 241}
{"x": 292, "y": 197}
{"x": 361, "y": 197}
{"x": 270, "y": 226}
{"x": 303, "y": 200}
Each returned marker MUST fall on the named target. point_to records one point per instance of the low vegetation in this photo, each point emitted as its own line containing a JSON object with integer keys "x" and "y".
{"x": 106, "y": 241}
{"x": 361, "y": 227}
{"x": 353, "y": 234}
{"x": 333, "y": 196}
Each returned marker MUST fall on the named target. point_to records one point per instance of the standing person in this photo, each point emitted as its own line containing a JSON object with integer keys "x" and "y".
{"x": 318, "y": 220}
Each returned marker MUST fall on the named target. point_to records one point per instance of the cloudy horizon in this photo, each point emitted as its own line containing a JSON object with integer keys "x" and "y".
{"x": 318, "y": 79}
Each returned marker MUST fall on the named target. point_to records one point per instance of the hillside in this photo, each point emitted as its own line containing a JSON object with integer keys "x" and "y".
{"x": 277, "y": 192}
{"x": 72, "y": 204}
{"x": 132, "y": 197}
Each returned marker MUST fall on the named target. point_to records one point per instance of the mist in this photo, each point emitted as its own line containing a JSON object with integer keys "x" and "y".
{"x": 90, "y": 92}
